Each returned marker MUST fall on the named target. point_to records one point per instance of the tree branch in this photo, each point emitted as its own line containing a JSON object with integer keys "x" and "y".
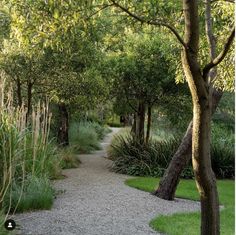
{"x": 100, "y": 9}
{"x": 221, "y": 56}
{"x": 230, "y": 1}
{"x": 150, "y": 22}
{"x": 127, "y": 99}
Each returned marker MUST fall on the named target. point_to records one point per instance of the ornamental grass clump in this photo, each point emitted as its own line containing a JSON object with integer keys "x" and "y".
{"x": 83, "y": 137}
{"x": 149, "y": 159}
{"x": 26, "y": 153}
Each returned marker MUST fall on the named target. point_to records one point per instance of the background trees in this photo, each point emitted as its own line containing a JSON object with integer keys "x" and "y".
{"x": 143, "y": 77}
{"x": 85, "y": 58}
{"x": 200, "y": 87}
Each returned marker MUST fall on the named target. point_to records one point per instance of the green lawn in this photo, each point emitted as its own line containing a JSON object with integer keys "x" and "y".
{"x": 189, "y": 223}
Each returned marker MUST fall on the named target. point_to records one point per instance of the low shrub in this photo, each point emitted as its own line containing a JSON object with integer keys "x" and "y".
{"x": 85, "y": 136}
{"x": 100, "y": 130}
{"x": 132, "y": 158}
{"x": 26, "y": 155}
{"x": 46, "y": 161}
{"x": 68, "y": 158}
{"x": 114, "y": 124}
{"x": 153, "y": 158}
{"x": 222, "y": 150}
{"x": 31, "y": 194}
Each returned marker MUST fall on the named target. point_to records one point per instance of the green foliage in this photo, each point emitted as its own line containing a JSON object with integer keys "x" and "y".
{"x": 25, "y": 153}
{"x": 162, "y": 127}
{"x": 100, "y": 130}
{"x": 222, "y": 150}
{"x": 143, "y": 71}
{"x": 114, "y": 120}
{"x": 84, "y": 136}
{"x": 187, "y": 189}
{"x": 168, "y": 108}
{"x": 68, "y": 158}
{"x": 132, "y": 158}
{"x": 225, "y": 111}
{"x": 46, "y": 162}
{"x": 37, "y": 193}
{"x": 114, "y": 124}
{"x": 153, "y": 158}
{"x": 223, "y": 137}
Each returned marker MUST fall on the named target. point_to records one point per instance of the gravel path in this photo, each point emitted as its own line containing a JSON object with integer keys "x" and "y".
{"x": 97, "y": 202}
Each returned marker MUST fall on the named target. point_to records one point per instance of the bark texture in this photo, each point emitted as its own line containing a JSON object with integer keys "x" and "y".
{"x": 18, "y": 91}
{"x": 140, "y": 120}
{"x": 201, "y": 98}
{"x": 63, "y": 130}
{"x": 169, "y": 182}
{"x": 133, "y": 128}
{"x": 149, "y": 120}
{"x": 29, "y": 99}
{"x": 201, "y": 92}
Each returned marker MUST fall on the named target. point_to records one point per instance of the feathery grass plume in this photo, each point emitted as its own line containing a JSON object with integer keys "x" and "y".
{"x": 10, "y": 144}
{"x": 25, "y": 149}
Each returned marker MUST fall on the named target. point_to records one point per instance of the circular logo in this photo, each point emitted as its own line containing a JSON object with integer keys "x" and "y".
{"x": 10, "y": 224}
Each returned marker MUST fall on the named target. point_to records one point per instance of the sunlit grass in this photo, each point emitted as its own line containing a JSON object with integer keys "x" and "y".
{"x": 189, "y": 223}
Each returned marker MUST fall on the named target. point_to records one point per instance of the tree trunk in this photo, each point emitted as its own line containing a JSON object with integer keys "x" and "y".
{"x": 126, "y": 119}
{"x": 180, "y": 160}
{"x": 201, "y": 98}
{"x": 169, "y": 182}
{"x": 201, "y": 160}
{"x": 140, "y": 120}
{"x": 63, "y": 131}
{"x": 133, "y": 128}
{"x": 29, "y": 99}
{"x": 200, "y": 89}
{"x": 18, "y": 91}
{"x": 149, "y": 120}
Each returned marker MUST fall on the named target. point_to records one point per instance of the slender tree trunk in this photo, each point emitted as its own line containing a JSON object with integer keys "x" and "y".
{"x": 200, "y": 89}
{"x": 201, "y": 160}
{"x": 169, "y": 182}
{"x": 149, "y": 120}
{"x": 133, "y": 129}
{"x": 201, "y": 93}
{"x": 180, "y": 160}
{"x": 140, "y": 120}
{"x": 63, "y": 131}
{"x": 126, "y": 120}
{"x": 18, "y": 91}
{"x": 29, "y": 99}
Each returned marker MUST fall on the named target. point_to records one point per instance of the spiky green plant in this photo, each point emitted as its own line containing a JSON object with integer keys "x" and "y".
{"x": 132, "y": 158}
{"x": 25, "y": 148}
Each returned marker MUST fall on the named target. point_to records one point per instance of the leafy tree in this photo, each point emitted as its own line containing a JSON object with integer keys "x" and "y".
{"x": 62, "y": 35}
{"x": 169, "y": 182}
{"x": 143, "y": 76}
{"x": 200, "y": 85}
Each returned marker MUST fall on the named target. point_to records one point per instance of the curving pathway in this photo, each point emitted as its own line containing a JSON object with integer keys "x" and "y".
{"x": 97, "y": 202}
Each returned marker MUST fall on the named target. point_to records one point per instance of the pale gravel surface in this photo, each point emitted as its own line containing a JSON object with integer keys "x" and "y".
{"x": 97, "y": 202}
